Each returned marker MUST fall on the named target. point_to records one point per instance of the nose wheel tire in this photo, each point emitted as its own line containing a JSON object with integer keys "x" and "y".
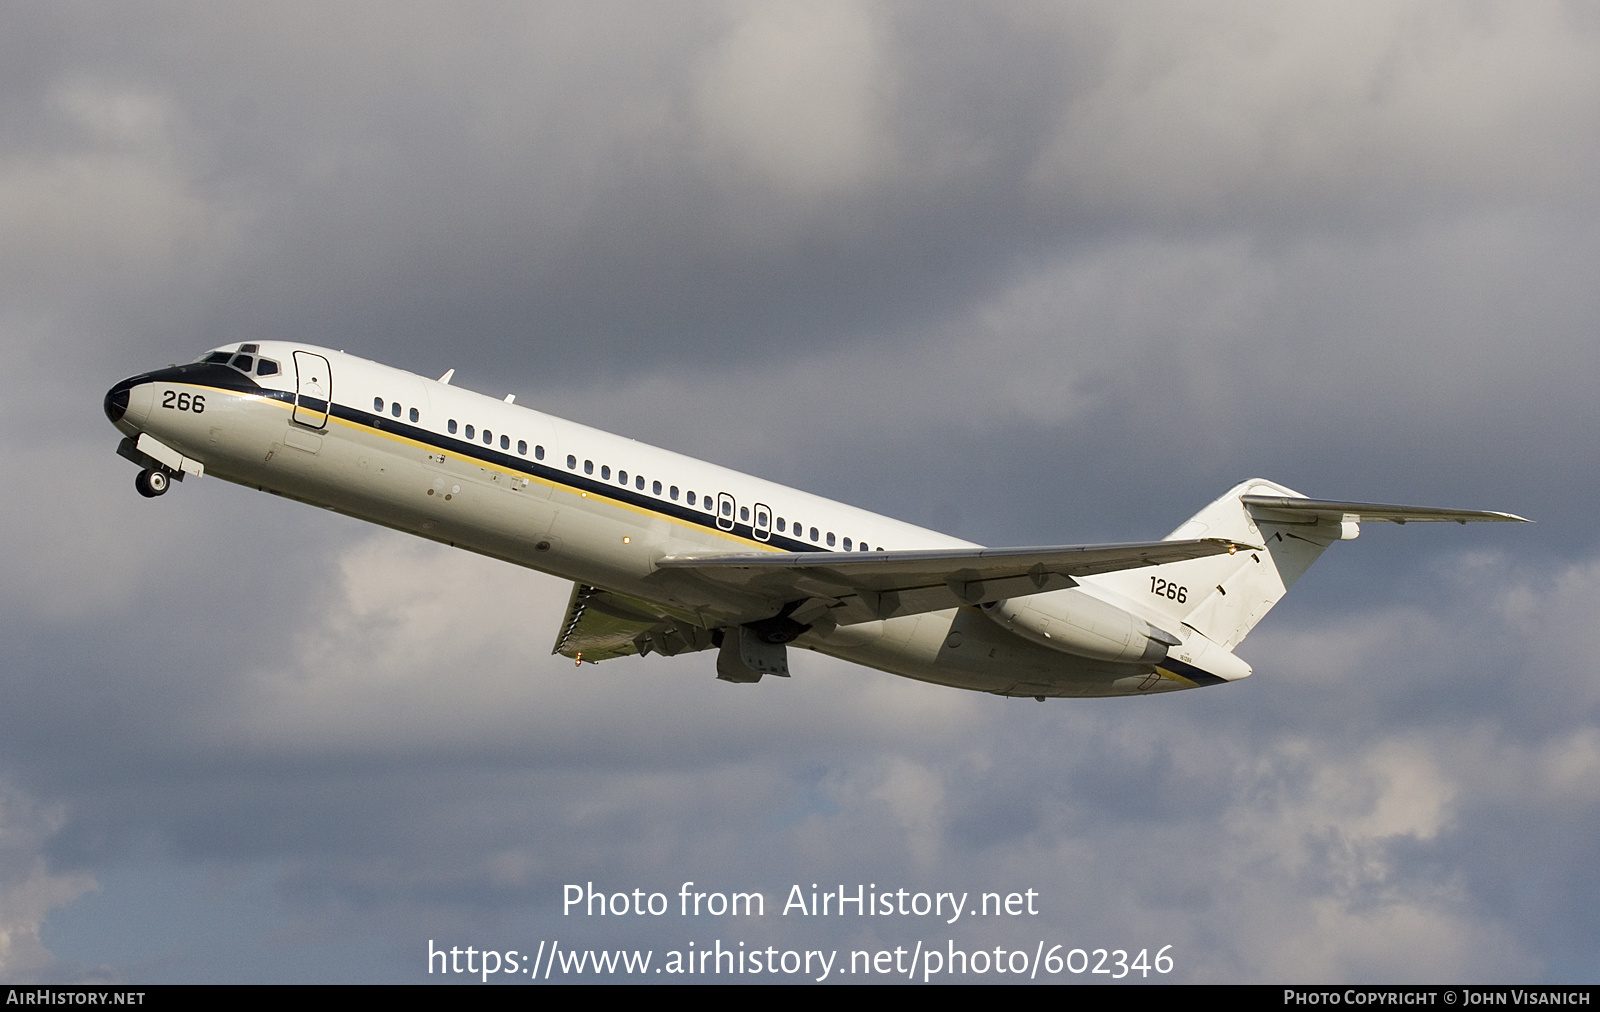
{"x": 151, "y": 483}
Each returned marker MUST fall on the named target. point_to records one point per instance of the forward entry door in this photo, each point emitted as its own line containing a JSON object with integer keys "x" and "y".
{"x": 313, "y": 393}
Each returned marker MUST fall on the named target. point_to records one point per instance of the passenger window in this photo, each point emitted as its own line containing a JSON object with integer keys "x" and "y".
{"x": 488, "y": 437}
{"x": 689, "y": 498}
{"x": 414, "y": 416}
{"x": 394, "y": 409}
{"x": 377, "y": 405}
{"x": 469, "y": 432}
{"x": 522, "y": 447}
{"x": 727, "y": 509}
{"x": 638, "y": 482}
{"x": 847, "y": 544}
{"x": 655, "y": 488}
{"x": 451, "y": 426}
{"x": 505, "y": 442}
{"x": 622, "y": 477}
{"x": 605, "y": 472}
{"x": 744, "y": 513}
{"x": 780, "y": 525}
{"x": 813, "y": 534}
{"x": 266, "y": 367}
{"x": 830, "y": 539}
{"x": 588, "y": 467}
{"x": 572, "y": 462}
{"x": 538, "y": 453}
{"x": 673, "y": 493}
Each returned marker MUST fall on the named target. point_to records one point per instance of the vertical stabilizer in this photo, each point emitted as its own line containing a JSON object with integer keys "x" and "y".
{"x": 1224, "y": 596}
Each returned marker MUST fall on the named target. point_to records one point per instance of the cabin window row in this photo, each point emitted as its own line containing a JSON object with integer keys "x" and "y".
{"x": 702, "y": 500}
{"x": 394, "y": 409}
{"x": 488, "y": 438}
{"x": 708, "y": 503}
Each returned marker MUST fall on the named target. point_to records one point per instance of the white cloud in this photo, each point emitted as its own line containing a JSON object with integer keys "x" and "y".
{"x": 28, "y": 889}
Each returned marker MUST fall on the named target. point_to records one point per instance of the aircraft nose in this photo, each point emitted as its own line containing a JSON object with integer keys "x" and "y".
{"x": 117, "y": 402}
{"x": 120, "y": 397}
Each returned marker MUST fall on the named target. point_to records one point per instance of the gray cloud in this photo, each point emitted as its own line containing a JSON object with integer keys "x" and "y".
{"x": 1032, "y": 273}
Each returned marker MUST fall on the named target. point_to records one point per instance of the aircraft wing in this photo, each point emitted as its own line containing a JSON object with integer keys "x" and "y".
{"x": 858, "y": 587}
{"x": 1372, "y": 512}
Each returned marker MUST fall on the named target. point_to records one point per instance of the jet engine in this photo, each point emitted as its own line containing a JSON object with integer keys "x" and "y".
{"x": 1074, "y": 623}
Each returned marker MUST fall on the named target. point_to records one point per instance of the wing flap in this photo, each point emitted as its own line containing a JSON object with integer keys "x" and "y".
{"x": 600, "y": 625}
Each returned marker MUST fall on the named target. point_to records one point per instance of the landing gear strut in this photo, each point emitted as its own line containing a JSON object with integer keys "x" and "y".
{"x": 151, "y": 483}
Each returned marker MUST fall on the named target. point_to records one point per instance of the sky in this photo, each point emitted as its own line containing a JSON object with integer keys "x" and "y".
{"x": 1048, "y": 273}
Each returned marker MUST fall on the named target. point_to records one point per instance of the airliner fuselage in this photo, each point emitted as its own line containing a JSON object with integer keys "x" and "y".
{"x": 670, "y": 554}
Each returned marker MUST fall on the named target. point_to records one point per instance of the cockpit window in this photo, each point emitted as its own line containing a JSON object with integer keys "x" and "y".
{"x": 266, "y": 367}
{"x": 218, "y": 356}
{"x": 250, "y": 348}
{"x": 243, "y": 363}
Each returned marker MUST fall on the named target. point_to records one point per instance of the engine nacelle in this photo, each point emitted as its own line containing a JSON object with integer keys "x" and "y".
{"x": 1075, "y": 623}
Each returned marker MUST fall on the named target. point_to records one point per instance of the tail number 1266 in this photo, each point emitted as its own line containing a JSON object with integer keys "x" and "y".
{"x": 1169, "y": 590}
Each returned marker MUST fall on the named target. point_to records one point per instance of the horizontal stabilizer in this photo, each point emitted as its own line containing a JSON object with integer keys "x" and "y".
{"x": 860, "y": 587}
{"x": 1373, "y": 512}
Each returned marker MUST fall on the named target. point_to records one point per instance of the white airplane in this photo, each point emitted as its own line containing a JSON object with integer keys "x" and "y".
{"x": 669, "y": 554}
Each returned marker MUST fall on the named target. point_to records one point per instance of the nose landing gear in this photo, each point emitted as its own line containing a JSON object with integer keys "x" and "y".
{"x": 152, "y": 483}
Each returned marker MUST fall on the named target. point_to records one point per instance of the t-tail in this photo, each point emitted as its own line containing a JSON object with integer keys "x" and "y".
{"x": 1223, "y": 597}
{"x": 1186, "y": 617}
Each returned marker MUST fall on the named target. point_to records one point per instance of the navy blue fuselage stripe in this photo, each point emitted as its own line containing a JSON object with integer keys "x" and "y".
{"x": 224, "y": 377}
{"x": 559, "y": 476}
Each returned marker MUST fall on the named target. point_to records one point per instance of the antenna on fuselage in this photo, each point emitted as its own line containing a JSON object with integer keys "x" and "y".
{"x": 445, "y": 379}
